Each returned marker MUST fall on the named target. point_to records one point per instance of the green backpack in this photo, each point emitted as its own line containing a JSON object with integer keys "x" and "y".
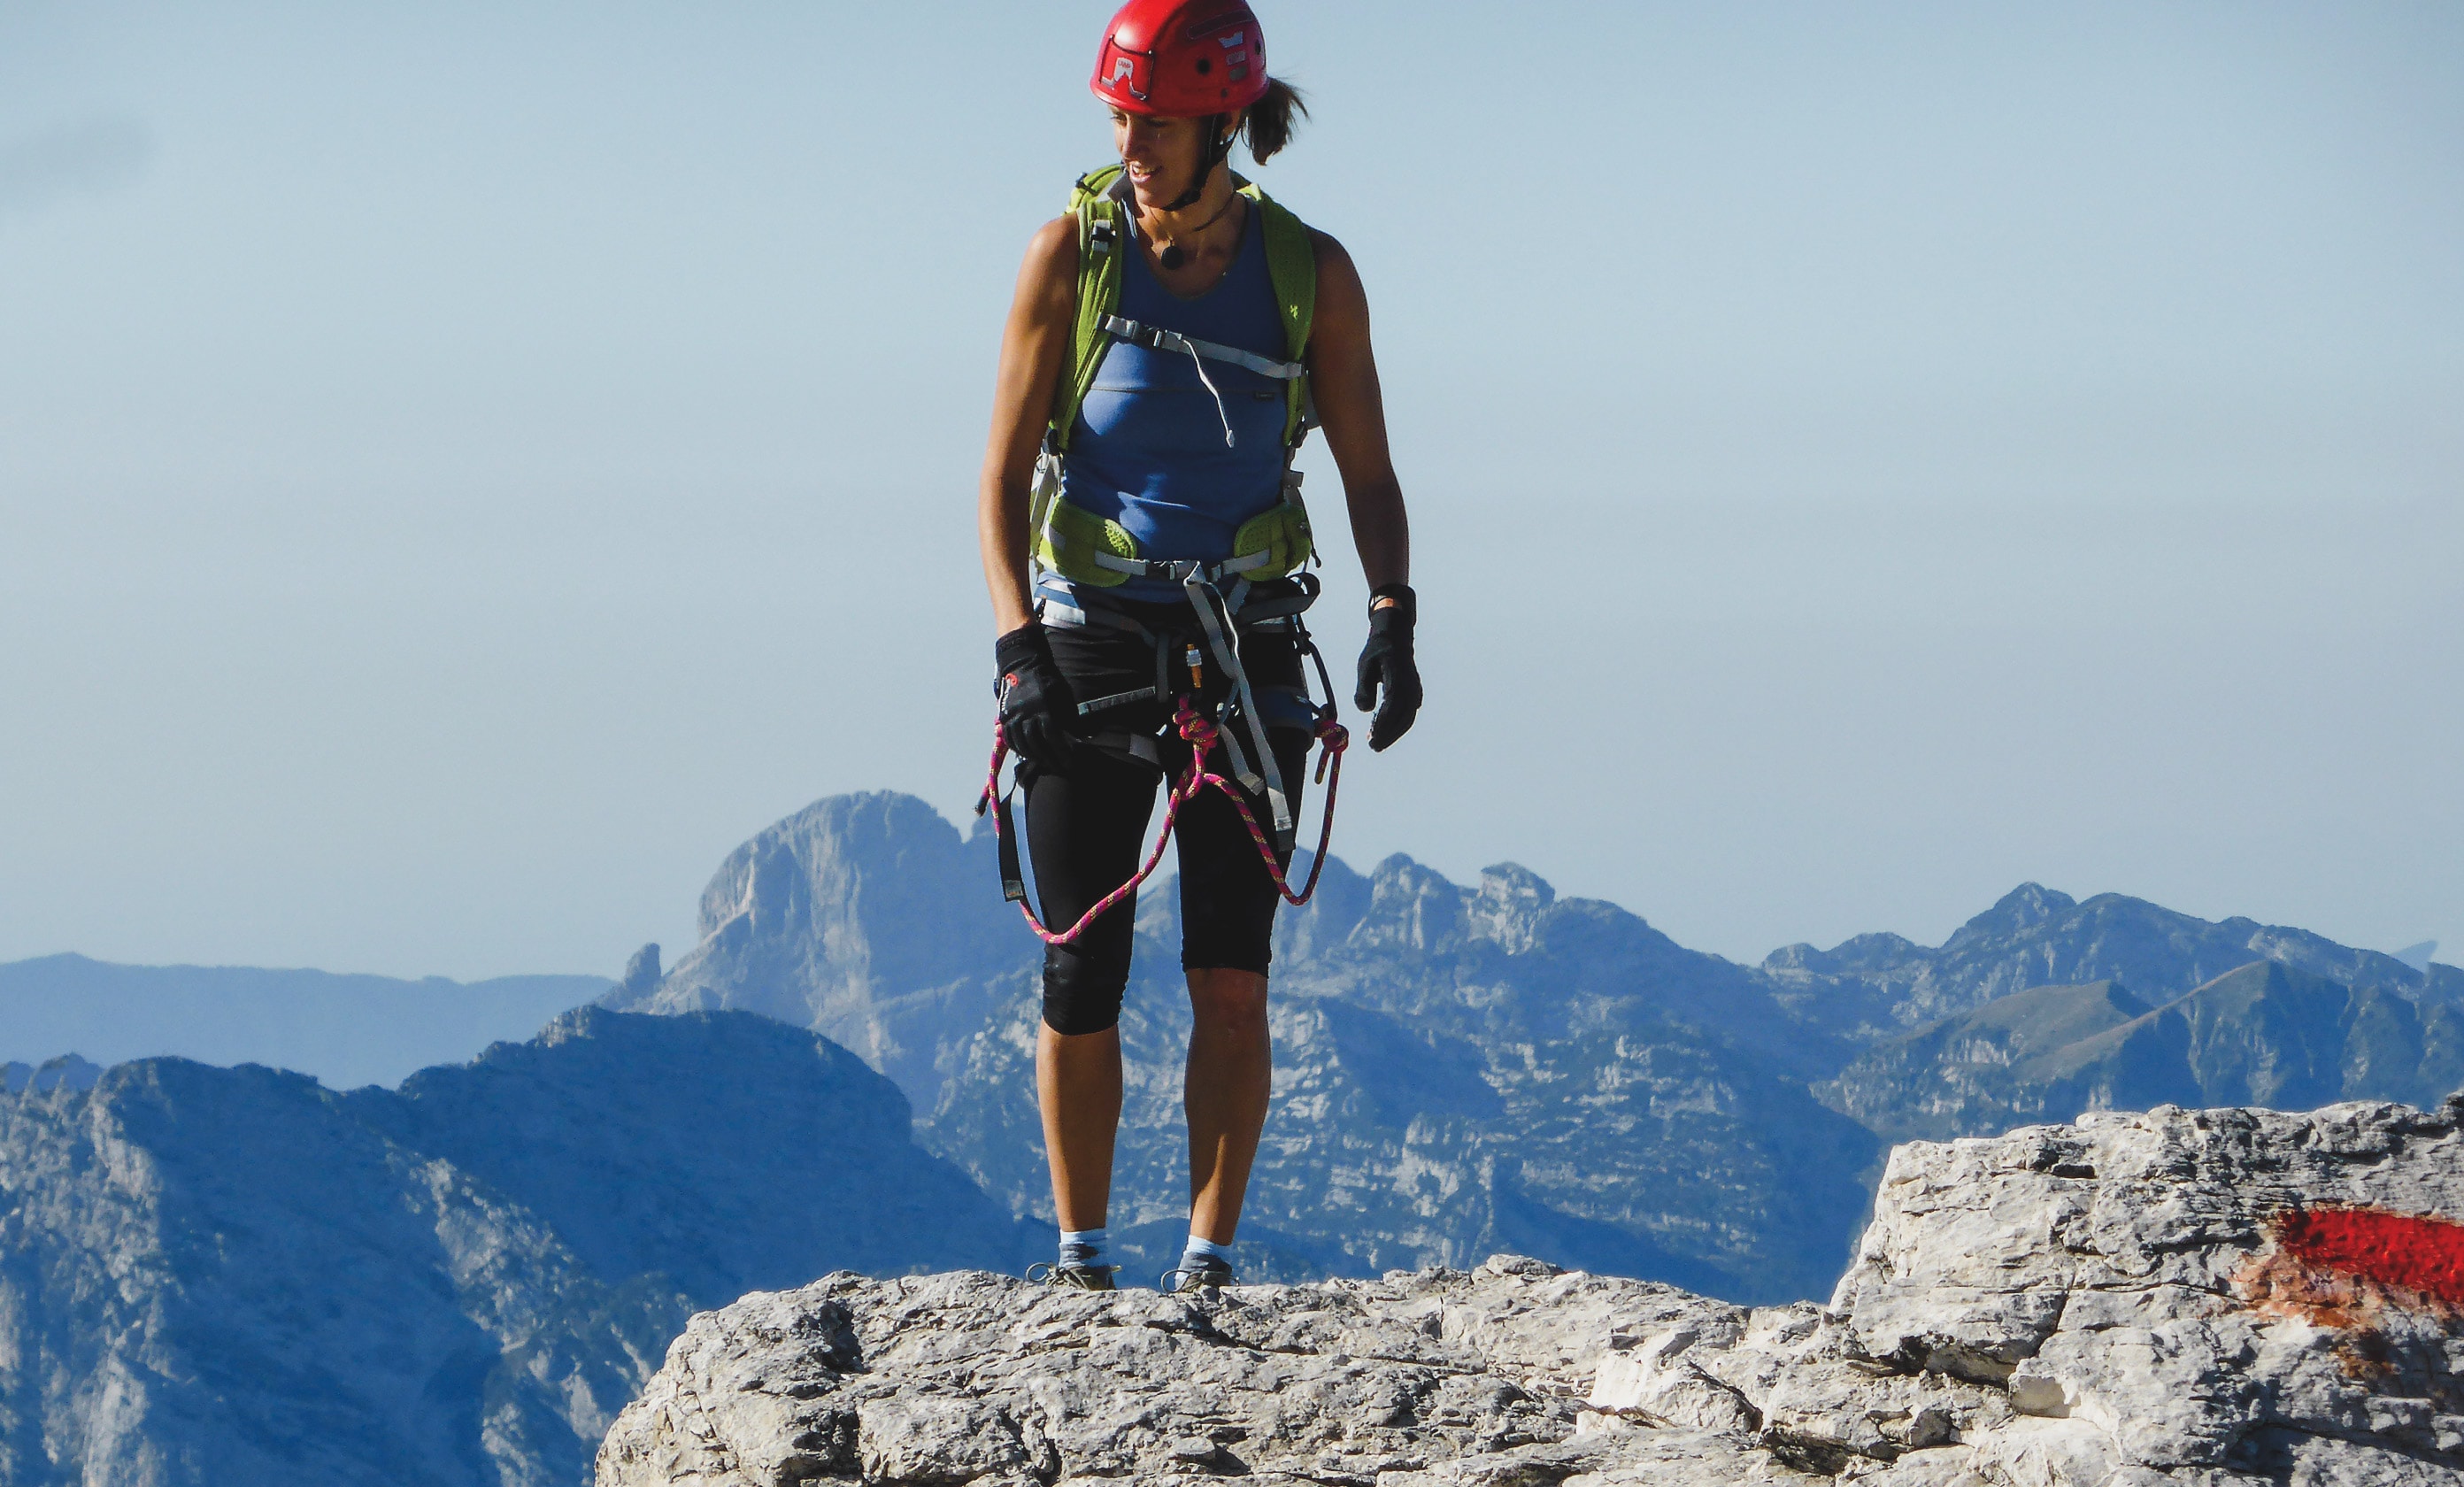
{"x": 1089, "y": 549}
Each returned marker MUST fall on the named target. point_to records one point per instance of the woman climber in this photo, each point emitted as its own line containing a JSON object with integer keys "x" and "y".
{"x": 1174, "y": 338}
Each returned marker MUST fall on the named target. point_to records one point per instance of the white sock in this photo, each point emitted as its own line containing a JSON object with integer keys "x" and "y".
{"x": 1197, "y": 1251}
{"x": 1081, "y": 1246}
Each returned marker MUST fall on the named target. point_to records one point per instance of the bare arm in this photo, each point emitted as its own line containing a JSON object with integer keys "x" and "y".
{"x": 1034, "y": 345}
{"x": 1343, "y": 379}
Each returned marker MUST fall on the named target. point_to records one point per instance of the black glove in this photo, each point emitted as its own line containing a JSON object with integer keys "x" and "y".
{"x": 1036, "y": 707}
{"x": 1386, "y": 660}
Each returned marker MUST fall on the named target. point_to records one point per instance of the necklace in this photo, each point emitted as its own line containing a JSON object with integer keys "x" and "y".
{"x": 1170, "y": 255}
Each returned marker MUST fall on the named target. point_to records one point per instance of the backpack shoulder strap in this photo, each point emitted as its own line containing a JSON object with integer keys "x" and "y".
{"x": 1292, "y": 265}
{"x": 1093, "y": 201}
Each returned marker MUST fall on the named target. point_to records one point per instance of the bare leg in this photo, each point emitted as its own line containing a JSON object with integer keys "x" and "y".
{"x": 1078, "y": 1084}
{"x": 1231, "y": 1074}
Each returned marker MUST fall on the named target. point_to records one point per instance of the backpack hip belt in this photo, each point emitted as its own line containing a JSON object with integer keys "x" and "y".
{"x": 1100, "y": 553}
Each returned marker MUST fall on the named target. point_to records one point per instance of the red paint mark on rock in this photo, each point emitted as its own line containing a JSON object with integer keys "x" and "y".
{"x": 2391, "y": 1284}
{"x": 2413, "y": 1252}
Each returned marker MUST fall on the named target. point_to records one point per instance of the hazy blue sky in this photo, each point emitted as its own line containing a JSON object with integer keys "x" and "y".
{"x": 464, "y": 468}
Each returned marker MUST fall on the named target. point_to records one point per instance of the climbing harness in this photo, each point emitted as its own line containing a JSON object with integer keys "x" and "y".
{"x": 1202, "y": 733}
{"x": 1332, "y": 739}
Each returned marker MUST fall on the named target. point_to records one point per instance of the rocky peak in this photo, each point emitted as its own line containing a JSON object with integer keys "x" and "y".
{"x": 2022, "y": 908}
{"x": 1506, "y": 906}
{"x": 1873, "y": 952}
{"x": 871, "y": 887}
{"x": 69, "y": 1071}
{"x": 1403, "y": 906}
{"x": 1411, "y": 907}
{"x": 865, "y": 918}
{"x": 641, "y": 976}
{"x": 2225, "y": 1299}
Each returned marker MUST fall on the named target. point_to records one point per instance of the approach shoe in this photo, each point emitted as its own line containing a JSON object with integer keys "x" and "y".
{"x": 1208, "y": 1274}
{"x": 1075, "y": 1278}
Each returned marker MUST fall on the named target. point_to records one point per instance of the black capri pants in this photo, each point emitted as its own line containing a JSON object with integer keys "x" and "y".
{"x": 1087, "y": 826}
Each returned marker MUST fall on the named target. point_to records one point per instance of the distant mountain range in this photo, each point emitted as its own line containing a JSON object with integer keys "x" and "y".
{"x": 219, "y": 1276}
{"x": 1467, "y": 1069}
{"x": 238, "y": 1276}
{"x": 347, "y": 1031}
{"x": 2265, "y": 1035}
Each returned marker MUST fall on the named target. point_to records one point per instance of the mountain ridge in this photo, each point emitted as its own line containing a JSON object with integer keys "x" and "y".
{"x": 347, "y": 1029}
{"x": 212, "y": 1275}
{"x": 1469, "y": 1067}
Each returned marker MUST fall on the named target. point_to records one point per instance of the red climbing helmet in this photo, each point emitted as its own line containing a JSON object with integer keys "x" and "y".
{"x": 1182, "y": 59}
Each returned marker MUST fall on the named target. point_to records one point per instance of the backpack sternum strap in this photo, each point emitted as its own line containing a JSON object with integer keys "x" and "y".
{"x": 1154, "y": 338}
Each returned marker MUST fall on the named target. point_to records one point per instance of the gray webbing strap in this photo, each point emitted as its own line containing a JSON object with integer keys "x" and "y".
{"x": 1140, "y": 746}
{"x": 1154, "y": 338}
{"x": 1069, "y": 616}
{"x": 1116, "y": 700}
{"x": 1156, "y": 567}
{"x": 1260, "y": 611}
{"x": 1203, "y": 598}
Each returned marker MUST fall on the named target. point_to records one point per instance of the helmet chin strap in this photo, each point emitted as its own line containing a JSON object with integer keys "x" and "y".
{"x": 1217, "y": 149}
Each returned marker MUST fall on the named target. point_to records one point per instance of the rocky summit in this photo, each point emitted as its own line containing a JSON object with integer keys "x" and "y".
{"x": 2215, "y": 1298}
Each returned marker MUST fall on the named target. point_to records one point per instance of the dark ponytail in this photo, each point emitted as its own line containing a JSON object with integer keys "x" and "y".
{"x": 1268, "y": 126}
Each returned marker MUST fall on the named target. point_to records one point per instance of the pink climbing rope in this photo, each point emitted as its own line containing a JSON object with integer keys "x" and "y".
{"x": 1333, "y": 737}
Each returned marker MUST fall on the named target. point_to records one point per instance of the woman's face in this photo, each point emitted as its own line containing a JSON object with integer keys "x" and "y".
{"x": 1161, "y": 154}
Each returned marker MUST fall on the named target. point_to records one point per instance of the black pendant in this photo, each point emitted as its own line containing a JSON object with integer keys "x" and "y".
{"x": 1171, "y": 257}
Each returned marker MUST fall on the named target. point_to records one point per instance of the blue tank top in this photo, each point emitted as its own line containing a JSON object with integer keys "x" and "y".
{"x": 1148, "y": 448}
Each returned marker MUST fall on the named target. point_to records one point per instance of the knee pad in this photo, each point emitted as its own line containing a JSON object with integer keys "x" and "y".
{"x": 1081, "y": 988}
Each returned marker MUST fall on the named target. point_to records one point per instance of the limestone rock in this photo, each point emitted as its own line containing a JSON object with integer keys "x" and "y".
{"x": 1435, "y": 1376}
{"x": 2219, "y": 1299}
{"x": 2127, "y": 1273}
